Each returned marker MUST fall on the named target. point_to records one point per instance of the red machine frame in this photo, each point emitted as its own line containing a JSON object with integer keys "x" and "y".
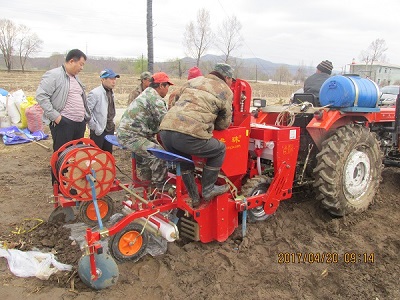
{"x": 219, "y": 218}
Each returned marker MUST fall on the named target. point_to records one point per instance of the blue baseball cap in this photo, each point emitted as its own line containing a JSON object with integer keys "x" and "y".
{"x": 108, "y": 73}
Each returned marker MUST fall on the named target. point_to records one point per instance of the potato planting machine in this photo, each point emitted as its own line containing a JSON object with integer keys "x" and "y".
{"x": 337, "y": 149}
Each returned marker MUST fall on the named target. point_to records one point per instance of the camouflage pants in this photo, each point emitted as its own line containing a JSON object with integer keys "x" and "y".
{"x": 149, "y": 167}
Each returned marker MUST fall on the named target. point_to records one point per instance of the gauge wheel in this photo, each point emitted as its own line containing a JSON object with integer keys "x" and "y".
{"x": 87, "y": 211}
{"x": 129, "y": 244}
{"x": 255, "y": 186}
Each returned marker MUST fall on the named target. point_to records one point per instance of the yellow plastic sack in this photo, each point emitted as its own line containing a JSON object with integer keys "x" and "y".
{"x": 30, "y": 101}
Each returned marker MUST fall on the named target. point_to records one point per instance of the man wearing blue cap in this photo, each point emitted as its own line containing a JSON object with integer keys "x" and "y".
{"x": 102, "y": 108}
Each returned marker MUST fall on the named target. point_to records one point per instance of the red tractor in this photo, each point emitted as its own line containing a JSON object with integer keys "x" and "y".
{"x": 344, "y": 144}
{"x": 339, "y": 149}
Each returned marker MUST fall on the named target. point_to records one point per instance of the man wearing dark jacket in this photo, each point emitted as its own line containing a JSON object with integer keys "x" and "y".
{"x": 314, "y": 82}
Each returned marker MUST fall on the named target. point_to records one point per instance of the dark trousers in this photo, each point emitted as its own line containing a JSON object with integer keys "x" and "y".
{"x": 187, "y": 145}
{"x": 100, "y": 140}
{"x": 65, "y": 131}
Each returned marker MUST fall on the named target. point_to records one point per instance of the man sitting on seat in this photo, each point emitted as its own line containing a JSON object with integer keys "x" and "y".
{"x": 139, "y": 126}
{"x": 203, "y": 104}
{"x": 314, "y": 82}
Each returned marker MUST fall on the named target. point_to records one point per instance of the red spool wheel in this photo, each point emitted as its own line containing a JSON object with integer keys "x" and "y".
{"x": 56, "y": 154}
{"x": 81, "y": 161}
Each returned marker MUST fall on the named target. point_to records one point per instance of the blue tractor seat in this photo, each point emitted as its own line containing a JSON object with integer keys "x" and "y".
{"x": 112, "y": 139}
{"x": 168, "y": 156}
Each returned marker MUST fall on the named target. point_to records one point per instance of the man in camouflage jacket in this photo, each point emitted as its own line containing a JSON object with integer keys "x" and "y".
{"x": 203, "y": 104}
{"x": 144, "y": 84}
{"x": 139, "y": 126}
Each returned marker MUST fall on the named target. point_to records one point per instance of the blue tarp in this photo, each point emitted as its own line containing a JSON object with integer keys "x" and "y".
{"x": 13, "y": 135}
{"x": 3, "y": 92}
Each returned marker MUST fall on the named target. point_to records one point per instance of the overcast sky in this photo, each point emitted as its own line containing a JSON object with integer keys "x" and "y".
{"x": 287, "y": 31}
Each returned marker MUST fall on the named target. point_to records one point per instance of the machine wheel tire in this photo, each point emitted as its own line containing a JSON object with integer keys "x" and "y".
{"x": 255, "y": 186}
{"x": 129, "y": 244}
{"x": 106, "y": 268}
{"x": 87, "y": 212}
{"x": 348, "y": 171}
{"x": 62, "y": 215}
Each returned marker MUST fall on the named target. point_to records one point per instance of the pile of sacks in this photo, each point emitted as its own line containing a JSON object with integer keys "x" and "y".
{"x": 19, "y": 110}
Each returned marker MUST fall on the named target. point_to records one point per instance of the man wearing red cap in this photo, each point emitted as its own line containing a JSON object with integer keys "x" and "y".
{"x": 193, "y": 72}
{"x": 139, "y": 126}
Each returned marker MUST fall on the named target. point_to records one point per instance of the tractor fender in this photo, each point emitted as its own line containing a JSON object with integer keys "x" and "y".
{"x": 325, "y": 122}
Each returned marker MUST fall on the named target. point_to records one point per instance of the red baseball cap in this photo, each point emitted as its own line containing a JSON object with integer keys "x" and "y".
{"x": 161, "y": 77}
{"x": 194, "y": 72}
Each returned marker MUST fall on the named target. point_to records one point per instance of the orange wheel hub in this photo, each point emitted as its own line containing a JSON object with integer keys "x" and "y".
{"x": 91, "y": 211}
{"x": 130, "y": 243}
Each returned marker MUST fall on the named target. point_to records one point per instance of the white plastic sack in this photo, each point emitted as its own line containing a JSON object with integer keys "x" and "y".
{"x": 2, "y": 106}
{"x": 12, "y": 110}
{"x": 32, "y": 263}
{"x": 18, "y": 97}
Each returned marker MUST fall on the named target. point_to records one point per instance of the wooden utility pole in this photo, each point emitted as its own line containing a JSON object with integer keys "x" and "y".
{"x": 150, "y": 46}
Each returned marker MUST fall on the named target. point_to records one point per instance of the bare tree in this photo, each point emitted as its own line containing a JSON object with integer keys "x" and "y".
{"x": 375, "y": 52}
{"x": 150, "y": 44}
{"x": 8, "y": 36}
{"x": 282, "y": 74}
{"x": 55, "y": 60}
{"x": 301, "y": 72}
{"x": 28, "y": 43}
{"x": 228, "y": 37}
{"x": 198, "y": 37}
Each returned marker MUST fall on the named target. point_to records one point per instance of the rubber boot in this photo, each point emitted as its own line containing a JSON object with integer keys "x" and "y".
{"x": 210, "y": 176}
{"x": 191, "y": 186}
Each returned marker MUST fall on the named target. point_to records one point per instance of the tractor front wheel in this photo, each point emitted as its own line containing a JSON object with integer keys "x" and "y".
{"x": 348, "y": 171}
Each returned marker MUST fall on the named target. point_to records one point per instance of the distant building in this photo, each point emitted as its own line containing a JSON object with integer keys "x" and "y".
{"x": 382, "y": 73}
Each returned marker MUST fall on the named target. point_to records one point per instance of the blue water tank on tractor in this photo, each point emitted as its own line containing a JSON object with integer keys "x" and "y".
{"x": 349, "y": 91}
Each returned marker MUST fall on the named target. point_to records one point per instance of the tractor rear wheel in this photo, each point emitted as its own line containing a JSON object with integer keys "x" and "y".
{"x": 255, "y": 186}
{"x": 129, "y": 244}
{"x": 348, "y": 171}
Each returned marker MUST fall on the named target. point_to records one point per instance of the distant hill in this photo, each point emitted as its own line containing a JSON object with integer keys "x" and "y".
{"x": 248, "y": 68}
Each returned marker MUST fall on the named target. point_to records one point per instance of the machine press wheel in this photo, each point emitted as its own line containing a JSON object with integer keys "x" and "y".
{"x": 106, "y": 268}
{"x": 129, "y": 244}
{"x": 255, "y": 186}
{"x": 62, "y": 215}
{"x": 87, "y": 212}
